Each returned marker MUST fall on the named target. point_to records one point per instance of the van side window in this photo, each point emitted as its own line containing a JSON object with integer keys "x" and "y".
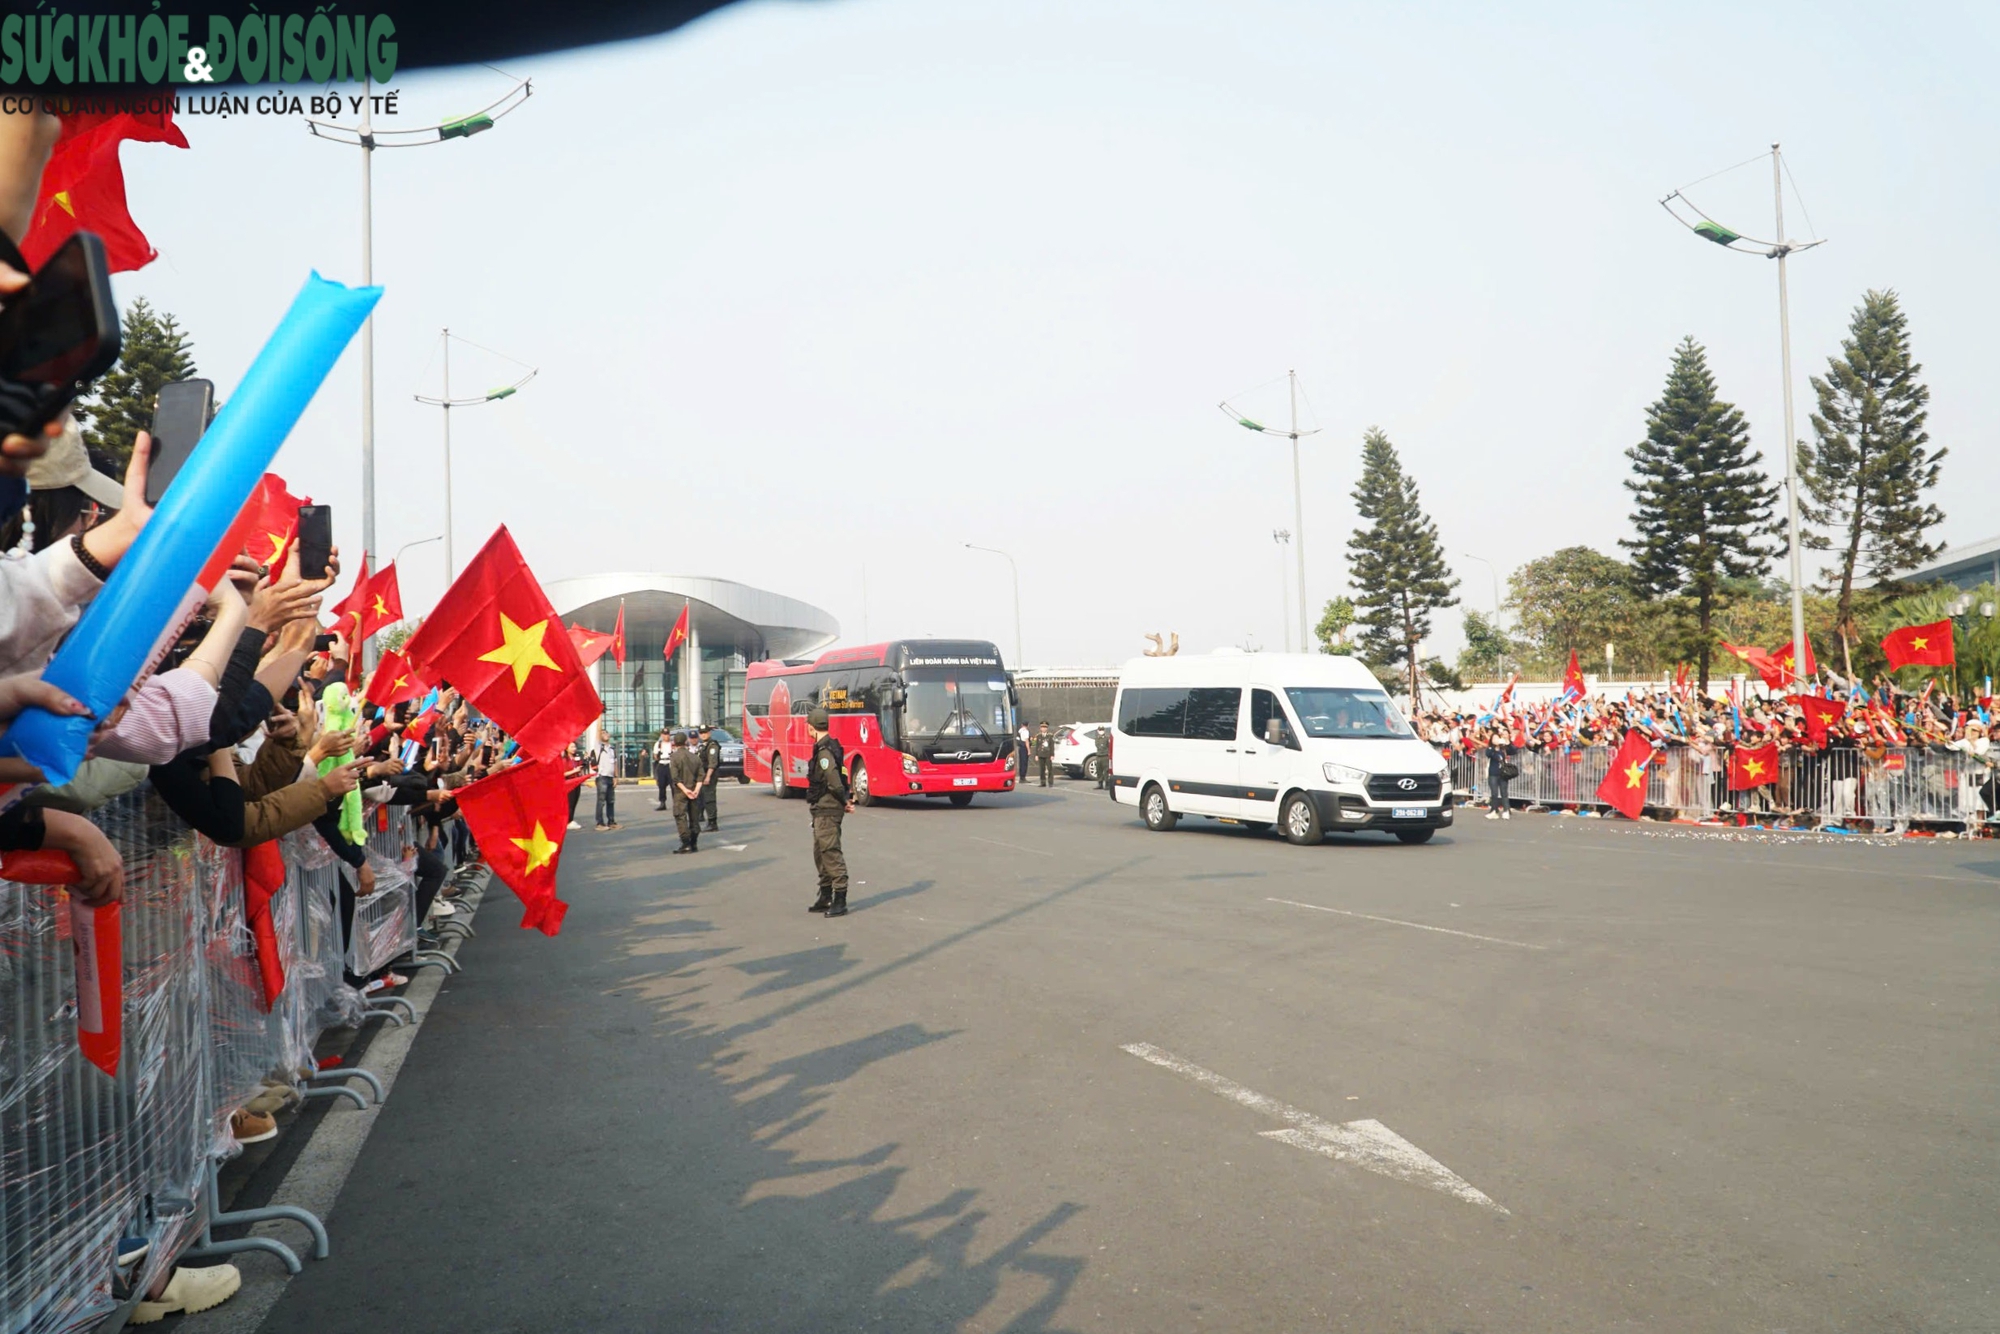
{"x": 1212, "y": 712}
{"x": 1267, "y": 721}
{"x": 1152, "y": 711}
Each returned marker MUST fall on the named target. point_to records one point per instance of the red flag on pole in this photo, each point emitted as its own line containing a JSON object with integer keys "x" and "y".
{"x": 1921, "y": 646}
{"x": 495, "y": 637}
{"x": 263, "y": 530}
{"x": 1819, "y": 714}
{"x": 618, "y": 635}
{"x": 519, "y": 816}
{"x": 678, "y": 635}
{"x": 263, "y": 877}
{"x": 1572, "y": 679}
{"x": 382, "y": 604}
{"x": 395, "y": 682}
{"x": 1788, "y": 671}
{"x": 1624, "y": 787}
{"x": 347, "y": 611}
{"x": 590, "y": 644}
{"x": 1753, "y": 766}
{"x": 83, "y": 187}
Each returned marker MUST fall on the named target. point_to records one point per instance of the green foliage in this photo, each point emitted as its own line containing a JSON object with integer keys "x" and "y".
{"x": 155, "y": 351}
{"x": 1701, "y": 504}
{"x": 1442, "y": 675}
{"x": 1975, "y": 638}
{"x": 390, "y": 639}
{"x": 1580, "y": 599}
{"x": 1395, "y": 561}
{"x": 1334, "y": 623}
{"x": 1485, "y": 645}
{"x": 1864, "y": 476}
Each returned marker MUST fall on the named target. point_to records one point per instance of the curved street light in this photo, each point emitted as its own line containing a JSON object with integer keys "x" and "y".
{"x": 1019, "y": 662}
{"x": 1298, "y": 490}
{"x": 447, "y": 402}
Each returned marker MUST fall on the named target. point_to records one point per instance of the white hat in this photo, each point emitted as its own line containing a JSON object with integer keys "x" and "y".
{"x": 68, "y": 464}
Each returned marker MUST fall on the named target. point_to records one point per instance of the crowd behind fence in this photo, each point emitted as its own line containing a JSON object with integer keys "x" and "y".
{"x": 87, "y": 1159}
{"x": 1876, "y": 790}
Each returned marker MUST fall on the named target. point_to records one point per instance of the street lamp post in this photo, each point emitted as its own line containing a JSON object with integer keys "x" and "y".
{"x": 1298, "y": 489}
{"x": 1500, "y": 664}
{"x": 1019, "y": 660}
{"x": 1283, "y": 538}
{"x": 447, "y": 402}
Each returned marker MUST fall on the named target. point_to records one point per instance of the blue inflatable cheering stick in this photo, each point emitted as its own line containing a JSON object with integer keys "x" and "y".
{"x": 122, "y": 628}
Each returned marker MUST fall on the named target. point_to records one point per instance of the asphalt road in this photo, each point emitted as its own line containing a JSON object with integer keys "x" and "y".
{"x": 1703, "y": 1084}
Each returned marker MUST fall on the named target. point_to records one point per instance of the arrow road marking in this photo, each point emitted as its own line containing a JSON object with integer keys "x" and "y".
{"x": 1369, "y": 1145}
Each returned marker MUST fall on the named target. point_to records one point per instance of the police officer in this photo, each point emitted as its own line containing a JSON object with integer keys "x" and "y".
{"x": 1104, "y": 759}
{"x": 828, "y": 800}
{"x": 710, "y": 755}
{"x": 685, "y": 772}
{"x": 1045, "y": 755}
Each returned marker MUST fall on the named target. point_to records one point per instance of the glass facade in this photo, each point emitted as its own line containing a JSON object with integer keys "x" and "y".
{"x": 644, "y": 695}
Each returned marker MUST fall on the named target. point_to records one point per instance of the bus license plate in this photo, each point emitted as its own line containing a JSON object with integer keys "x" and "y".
{"x": 965, "y": 782}
{"x": 1408, "y": 813}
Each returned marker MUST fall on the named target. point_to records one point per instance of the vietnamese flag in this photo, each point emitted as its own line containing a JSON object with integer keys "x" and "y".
{"x": 263, "y": 878}
{"x": 382, "y": 604}
{"x": 263, "y": 530}
{"x": 1790, "y": 672}
{"x": 1572, "y": 679}
{"x": 395, "y": 682}
{"x": 618, "y": 634}
{"x": 1819, "y": 714}
{"x": 590, "y": 644}
{"x": 83, "y": 187}
{"x": 495, "y": 637}
{"x": 519, "y": 817}
{"x": 347, "y": 611}
{"x": 1920, "y": 646}
{"x": 678, "y": 635}
{"x": 1751, "y": 654}
{"x": 1753, "y": 767}
{"x": 1624, "y": 787}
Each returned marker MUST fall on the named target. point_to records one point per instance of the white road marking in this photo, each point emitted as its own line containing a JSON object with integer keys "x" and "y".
{"x": 1015, "y": 846}
{"x": 1369, "y": 1145}
{"x": 1397, "y": 921}
{"x": 734, "y": 847}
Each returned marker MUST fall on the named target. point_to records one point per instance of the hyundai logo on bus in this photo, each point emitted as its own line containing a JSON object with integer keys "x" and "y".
{"x": 1407, "y": 784}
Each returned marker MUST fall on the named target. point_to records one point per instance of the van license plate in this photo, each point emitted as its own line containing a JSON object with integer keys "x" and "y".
{"x": 1408, "y": 813}
{"x": 965, "y": 782}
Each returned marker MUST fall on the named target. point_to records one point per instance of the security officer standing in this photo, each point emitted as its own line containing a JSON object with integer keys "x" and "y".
{"x": 663, "y": 755}
{"x": 685, "y": 772}
{"x": 710, "y": 755}
{"x": 828, "y": 799}
{"x": 1045, "y": 755}
{"x": 1104, "y": 759}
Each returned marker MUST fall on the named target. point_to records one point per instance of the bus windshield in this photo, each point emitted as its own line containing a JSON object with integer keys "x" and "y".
{"x": 1329, "y": 711}
{"x": 965, "y": 704}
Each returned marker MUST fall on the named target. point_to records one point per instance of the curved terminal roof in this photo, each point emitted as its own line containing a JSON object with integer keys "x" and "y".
{"x": 757, "y": 623}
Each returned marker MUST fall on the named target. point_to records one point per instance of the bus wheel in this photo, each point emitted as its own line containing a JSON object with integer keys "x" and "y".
{"x": 1299, "y": 820}
{"x": 779, "y": 787}
{"x": 1154, "y": 806}
{"x": 961, "y": 798}
{"x": 857, "y": 785}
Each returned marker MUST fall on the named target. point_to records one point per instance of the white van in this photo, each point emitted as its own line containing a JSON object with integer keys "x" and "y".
{"x": 1304, "y": 741}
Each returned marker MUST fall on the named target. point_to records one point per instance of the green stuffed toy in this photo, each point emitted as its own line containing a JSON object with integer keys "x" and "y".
{"x": 340, "y": 713}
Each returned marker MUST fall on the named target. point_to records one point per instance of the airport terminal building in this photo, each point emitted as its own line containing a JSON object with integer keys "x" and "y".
{"x": 730, "y": 626}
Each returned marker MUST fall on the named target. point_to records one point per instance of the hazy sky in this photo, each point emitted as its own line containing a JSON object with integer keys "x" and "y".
{"x": 818, "y": 285}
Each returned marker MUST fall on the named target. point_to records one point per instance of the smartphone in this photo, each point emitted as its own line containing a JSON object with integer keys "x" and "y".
{"x": 324, "y": 643}
{"x": 180, "y": 416}
{"x": 57, "y": 334}
{"x": 315, "y": 540}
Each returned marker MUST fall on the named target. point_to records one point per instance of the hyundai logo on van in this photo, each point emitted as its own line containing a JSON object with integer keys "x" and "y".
{"x": 1407, "y": 784}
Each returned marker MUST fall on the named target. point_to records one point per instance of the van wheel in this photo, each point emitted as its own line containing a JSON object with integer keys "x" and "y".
{"x": 1414, "y": 835}
{"x": 1300, "y": 820}
{"x": 961, "y": 798}
{"x": 857, "y": 785}
{"x": 1092, "y": 769}
{"x": 1258, "y": 826}
{"x": 779, "y": 787}
{"x": 1154, "y": 806}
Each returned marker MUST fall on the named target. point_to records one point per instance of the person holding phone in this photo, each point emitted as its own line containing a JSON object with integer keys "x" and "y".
{"x": 607, "y": 783}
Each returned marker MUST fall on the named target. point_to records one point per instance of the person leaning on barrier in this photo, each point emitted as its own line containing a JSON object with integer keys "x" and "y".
{"x": 829, "y": 801}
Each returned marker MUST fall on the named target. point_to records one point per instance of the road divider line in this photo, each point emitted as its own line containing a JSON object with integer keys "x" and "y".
{"x": 1014, "y": 846}
{"x": 1366, "y": 1144}
{"x": 1421, "y": 926}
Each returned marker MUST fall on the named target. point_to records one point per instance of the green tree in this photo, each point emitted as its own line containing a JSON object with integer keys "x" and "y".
{"x": 1866, "y": 472}
{"x": 390, "y": 639}
{"x": 1575, "y": 598}
{"x": 1701, "y": 502}
{"x": 1395, "y": 561}
{"x": 1334, "y": 623}
{"x": 155, "y": 350}
{"x": 1486, "y": 644}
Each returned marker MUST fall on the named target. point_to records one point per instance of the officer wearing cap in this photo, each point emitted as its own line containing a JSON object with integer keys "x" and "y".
{"x": 685, "y": 772}
{"x": 827, "y": 798}
{"x": 710, "y": 755}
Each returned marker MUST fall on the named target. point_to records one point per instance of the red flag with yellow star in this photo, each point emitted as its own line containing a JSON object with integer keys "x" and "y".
{"x": 1819, "y": 713}
{"x": 83, "y": 187}
{"x": 347, "y": 611}
{"x": 519, "y": 817}
{"x": 495, "y": 637}
{"x": 395, "y": 682}
{"x": 1790, "y": 671}
{"x": 1753, "y": 766}
{"x": 1920, "y": 646}
{"x": 1624, "y": 788}
{"x": 618, "y": 635}
{"x": 590, "y": 644}
{"x": 678, "y": 635}
{"x": 382, "y": 603}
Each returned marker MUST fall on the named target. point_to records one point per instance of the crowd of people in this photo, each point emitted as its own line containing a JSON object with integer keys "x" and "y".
{"x": 1823, "y": 730}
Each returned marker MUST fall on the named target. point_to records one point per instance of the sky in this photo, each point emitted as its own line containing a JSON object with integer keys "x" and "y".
{"x": 818, "y": 293}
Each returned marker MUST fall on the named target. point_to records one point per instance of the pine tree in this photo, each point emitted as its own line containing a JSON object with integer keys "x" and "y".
{"x": 1865, "y": 474}
{"x": 1701, "y": 503}
{"x": 155, "y": 350}
{"x": 1394, "y": 561}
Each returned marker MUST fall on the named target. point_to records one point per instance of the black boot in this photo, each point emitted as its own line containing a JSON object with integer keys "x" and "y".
{"x": 713, "y": 827}
{"x": 694, "y": 842}
{"x": 839, "y": 906}
{"x": 823, "y": 902}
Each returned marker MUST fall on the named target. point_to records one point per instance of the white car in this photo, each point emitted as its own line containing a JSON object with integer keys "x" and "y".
{"x": 1307, "y": 742}
{"x": 1076, "y": 749}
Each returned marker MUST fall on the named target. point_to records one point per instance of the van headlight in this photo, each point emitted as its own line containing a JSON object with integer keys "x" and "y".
{"x": 1341, "y": 773}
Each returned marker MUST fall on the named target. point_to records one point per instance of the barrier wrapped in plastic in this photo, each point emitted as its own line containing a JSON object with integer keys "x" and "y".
{"x": 385, "y": 925}
{"x": 245, "y": 1041}
{"x": 317, "y": 993}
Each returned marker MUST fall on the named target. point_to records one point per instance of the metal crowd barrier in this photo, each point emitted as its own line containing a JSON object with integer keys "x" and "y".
{"x": 86, "y": 1159}
{"x": 1880, "y": 791}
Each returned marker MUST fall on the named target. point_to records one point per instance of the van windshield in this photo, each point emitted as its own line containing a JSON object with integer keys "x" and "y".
{"x": 1332, "y": 711}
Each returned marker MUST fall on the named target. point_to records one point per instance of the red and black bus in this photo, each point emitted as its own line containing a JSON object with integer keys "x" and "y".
{"x": 917, "y": 718}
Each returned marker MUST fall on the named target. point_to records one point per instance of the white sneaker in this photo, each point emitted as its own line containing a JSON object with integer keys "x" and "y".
{"x": 1492, "y": 815}
{"x": 188, "y": 1291}
{"x": 574, "y": 825}
{"x": 1506, "y": 815}
{"x": 441, "y": 909}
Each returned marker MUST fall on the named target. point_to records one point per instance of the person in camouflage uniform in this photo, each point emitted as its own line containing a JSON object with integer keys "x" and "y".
{"x": 829, "y": 801}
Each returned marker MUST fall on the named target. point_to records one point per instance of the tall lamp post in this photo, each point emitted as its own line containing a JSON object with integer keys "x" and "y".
{"x": 447, "y": 402}
{"x": 1501, "y": 664}
{"x": 367, "y": 138}
{"x": 1019, "y": 661}
{"x": 1283, "y": 539}
{"x": 1684, "y": 211}
{"x": 1298, "y": 491}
